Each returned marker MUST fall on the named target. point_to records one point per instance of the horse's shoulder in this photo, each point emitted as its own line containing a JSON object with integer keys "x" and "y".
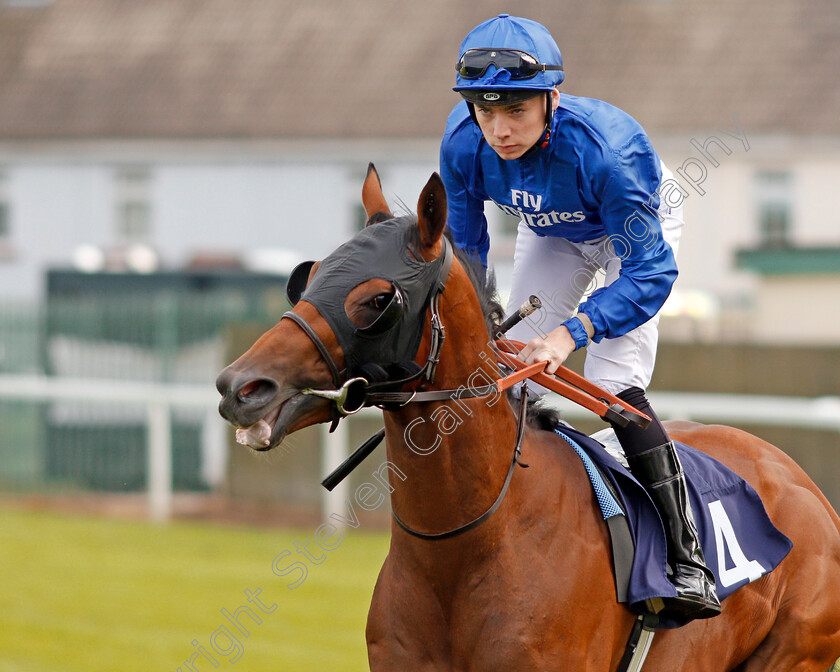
{"x": 551, "y": 461}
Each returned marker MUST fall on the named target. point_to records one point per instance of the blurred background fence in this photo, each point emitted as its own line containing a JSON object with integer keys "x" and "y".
{"x": 108, "y": 387}
{"x": 101, "y": 328}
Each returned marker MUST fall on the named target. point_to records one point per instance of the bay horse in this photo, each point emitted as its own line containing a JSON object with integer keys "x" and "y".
{"x": 531, "y": 587}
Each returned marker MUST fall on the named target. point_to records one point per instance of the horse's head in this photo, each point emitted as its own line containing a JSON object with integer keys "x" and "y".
{"x": 358, "y": 319}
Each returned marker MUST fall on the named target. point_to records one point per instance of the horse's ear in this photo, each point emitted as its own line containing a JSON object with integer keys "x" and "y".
{"x": 373, "y": 199}
{"x": 431, "y": 211}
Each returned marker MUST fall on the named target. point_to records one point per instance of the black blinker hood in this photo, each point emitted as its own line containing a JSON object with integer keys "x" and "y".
{"x": 378, "y": 251}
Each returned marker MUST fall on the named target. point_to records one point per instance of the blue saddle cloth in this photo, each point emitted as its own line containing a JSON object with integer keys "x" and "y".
{"x": 739, "y": 541}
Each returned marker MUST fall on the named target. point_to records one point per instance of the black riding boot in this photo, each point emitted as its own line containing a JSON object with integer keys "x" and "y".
{"x": 660, "y": 472}
{"x": 654, "y": 462}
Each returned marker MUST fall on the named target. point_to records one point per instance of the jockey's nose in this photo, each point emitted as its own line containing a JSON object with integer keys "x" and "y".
{"x": 501, "y": 128}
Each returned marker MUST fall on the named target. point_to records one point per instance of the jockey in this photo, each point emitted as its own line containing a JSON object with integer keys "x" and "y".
{"x": 583, "y": 178}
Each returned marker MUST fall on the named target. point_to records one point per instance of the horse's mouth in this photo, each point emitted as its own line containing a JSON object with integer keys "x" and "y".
{"x": 271, "y": 429}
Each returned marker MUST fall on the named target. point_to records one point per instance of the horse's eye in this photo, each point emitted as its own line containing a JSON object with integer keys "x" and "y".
{"x": 389, "y": 306}
{"x": 381, "y": 301}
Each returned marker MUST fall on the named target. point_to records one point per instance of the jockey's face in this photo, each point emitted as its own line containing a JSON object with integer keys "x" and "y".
{"x": 511, "y": 130}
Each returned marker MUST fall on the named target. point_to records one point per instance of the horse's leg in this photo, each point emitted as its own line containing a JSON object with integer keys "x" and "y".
{"x": 805, "y": 636}
{"x": 406, "y": 629}
{"x": 794, "y": 645}
{"x": 803, "y": 614}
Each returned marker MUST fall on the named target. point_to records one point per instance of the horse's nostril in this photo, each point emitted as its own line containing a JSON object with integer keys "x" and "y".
{"x": 258, "y": 390}
{"x": 247, "y": 389}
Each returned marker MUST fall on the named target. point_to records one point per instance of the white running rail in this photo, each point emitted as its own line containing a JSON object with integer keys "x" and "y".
{"x": 159, "y": 399}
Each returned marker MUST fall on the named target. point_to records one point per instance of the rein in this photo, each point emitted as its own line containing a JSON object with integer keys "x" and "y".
{"x": 610, "y": 408}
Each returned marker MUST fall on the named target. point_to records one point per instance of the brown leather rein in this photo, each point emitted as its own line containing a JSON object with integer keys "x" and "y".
{"x": 564, "y": 382}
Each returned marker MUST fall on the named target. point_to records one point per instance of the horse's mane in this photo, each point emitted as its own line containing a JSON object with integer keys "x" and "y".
{"x": 484, "y": 283}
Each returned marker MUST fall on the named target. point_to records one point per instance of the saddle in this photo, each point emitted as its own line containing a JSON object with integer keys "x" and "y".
{"x": 739, "y": 540}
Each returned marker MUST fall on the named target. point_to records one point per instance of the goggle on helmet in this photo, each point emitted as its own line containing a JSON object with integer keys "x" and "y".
{"x": 506, "y": 60}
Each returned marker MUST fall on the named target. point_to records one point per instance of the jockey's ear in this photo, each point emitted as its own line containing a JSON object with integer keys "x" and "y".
{"x": 372, "y": 198}
{"x": 431, "y": 215}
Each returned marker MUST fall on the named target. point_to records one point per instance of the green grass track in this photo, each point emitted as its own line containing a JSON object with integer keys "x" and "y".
{"x": 85, "y": 594}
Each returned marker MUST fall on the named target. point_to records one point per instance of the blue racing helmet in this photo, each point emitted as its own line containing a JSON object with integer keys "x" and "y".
{"x": 506, "y": 60}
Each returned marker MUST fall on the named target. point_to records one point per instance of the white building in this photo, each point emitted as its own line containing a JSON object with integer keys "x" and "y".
{"x": 242, "y": 129}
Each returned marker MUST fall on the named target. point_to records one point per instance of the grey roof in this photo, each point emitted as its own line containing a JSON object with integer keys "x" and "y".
{"x": 384, "y": 68}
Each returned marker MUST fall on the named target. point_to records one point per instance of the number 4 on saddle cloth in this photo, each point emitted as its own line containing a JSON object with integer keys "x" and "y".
{"x": 739, "y": 541}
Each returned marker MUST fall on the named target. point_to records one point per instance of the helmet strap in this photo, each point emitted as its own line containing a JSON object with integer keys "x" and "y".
{"x": 472, "y": 113}
{"x": 548, "y": 114}
{"x": 545, "y": 138}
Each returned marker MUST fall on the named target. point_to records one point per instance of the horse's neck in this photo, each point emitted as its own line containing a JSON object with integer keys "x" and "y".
{"x": 454, "y": 455}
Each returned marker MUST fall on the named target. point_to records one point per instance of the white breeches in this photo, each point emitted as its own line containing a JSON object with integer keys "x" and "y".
{"x": 561, "y": 273}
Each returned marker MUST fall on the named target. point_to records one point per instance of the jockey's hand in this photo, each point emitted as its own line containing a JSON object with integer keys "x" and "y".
{"x": 554, "y": 347}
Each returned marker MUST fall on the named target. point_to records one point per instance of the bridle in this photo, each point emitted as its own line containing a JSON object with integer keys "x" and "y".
{"x": 355, "y": 393}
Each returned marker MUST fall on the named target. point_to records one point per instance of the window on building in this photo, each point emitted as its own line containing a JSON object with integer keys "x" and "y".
{"x": 5, "y": 217}
{"x": 4, "y": 221}
{"x": 133, "y": 205}
{"x": 774, "y": 208}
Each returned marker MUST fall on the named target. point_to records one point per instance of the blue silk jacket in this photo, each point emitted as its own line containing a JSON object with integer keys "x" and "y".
{"x": 597, "y": 178}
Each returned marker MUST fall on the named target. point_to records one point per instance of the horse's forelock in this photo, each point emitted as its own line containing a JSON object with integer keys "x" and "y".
{"x": 377, "y": 218}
